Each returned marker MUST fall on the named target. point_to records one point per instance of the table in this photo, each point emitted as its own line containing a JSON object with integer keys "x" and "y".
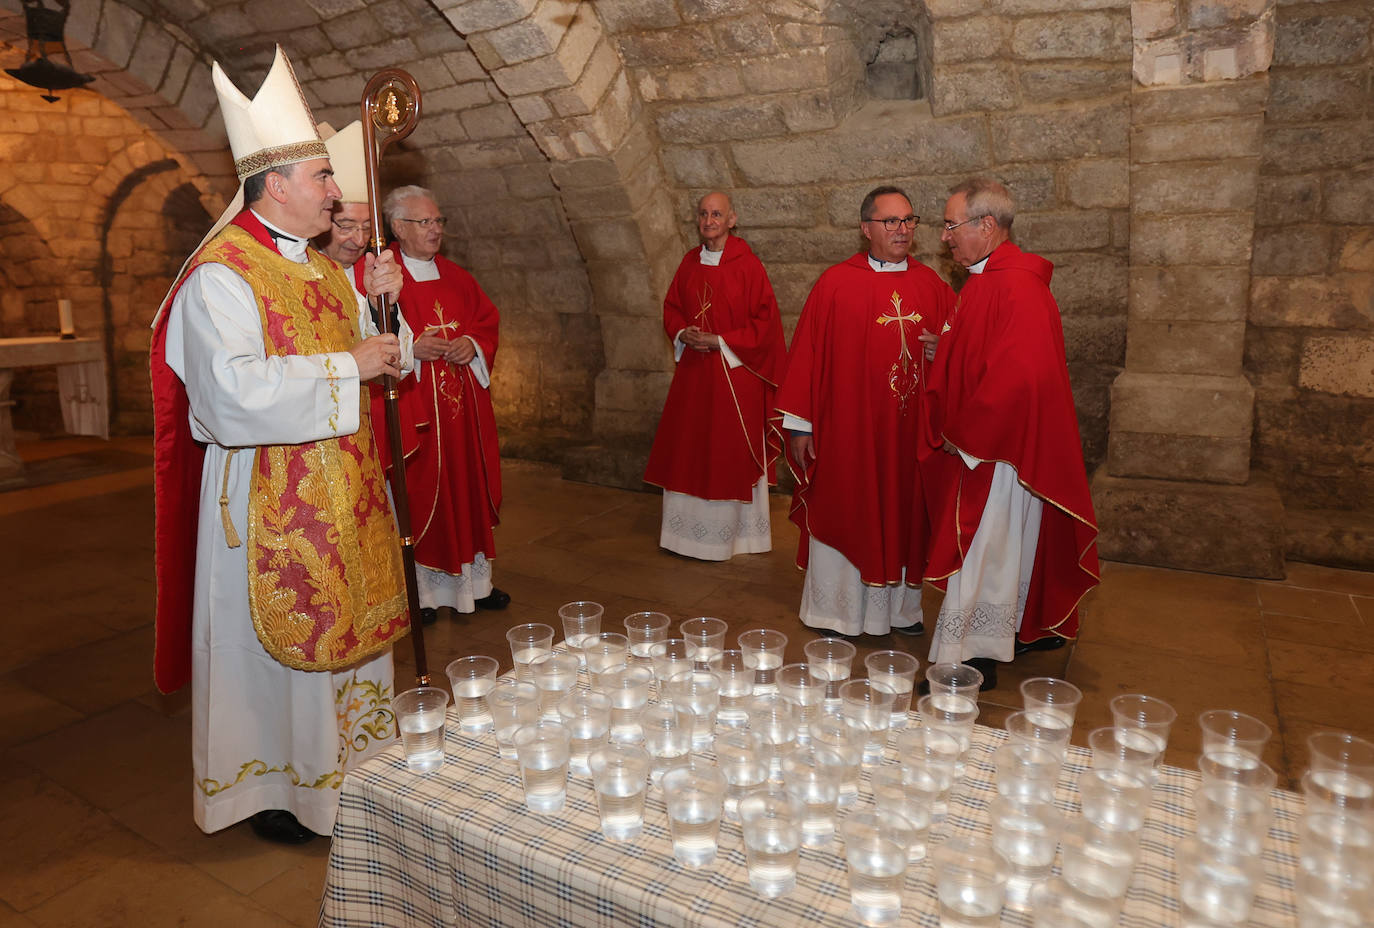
{"x": 457, "y": 847}
{"x": 80, "y": 366}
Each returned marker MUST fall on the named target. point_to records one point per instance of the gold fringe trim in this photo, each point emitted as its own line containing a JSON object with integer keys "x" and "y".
{"x": 231, "y": 537}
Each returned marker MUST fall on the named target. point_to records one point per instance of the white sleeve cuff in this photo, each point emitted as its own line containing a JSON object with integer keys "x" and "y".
{"x": 795, "y": 424}
{"x": 731, "y": 359}
{"x": 678, "y": 346}
{"x": 479, "y": 365}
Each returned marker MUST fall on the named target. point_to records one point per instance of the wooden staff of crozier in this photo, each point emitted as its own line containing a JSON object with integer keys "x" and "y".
{"x": 391, "y": 107}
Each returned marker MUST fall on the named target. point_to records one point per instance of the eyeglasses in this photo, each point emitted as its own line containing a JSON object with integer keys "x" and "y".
{"x": 893, "y": 223}
{"x": 352, "y": 228}
{"x": 439, "y": 221}
{"x": 951, "y": 226}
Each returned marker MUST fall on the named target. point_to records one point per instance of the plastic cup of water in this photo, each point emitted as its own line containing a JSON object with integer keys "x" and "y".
{"x": 1026, "y": 834}
{"x": 867, "y": 704}
{"x": 811, "y": 776}
{"x": 628, "y": 690}
{"x": 830, "y": 730}
{"x": 706, "y": 635}
{"x": 587, "y": 717}
{"x": 804, "y": 689}
{"x": 1057, "y": 903}
{"x": 910, "y": 796}
{"x": 472, "y": 678}
{"x": 1114, "y": 798}
{"x": 1096, "y": 861}
{"x": 1121, "y": 748}
{"x": 774, "y": 720}
{"x": 528, "y": 643}
{"x": 953, "y": 714}
{"x": 420, "y": 716}
{"x": 831, "y": 659}
{"x": 698, "y": 690}
{"x": 669, "y": 657}
{"x": 602, "y": 654}
{"x": 762, "y": 649}
{"x": 1335, "y": 884}
{"x": 895, "y": 670}
{"x": 1047, "y": 698}
{"x": 1253, "y": 774}
{"x": 620, "y": 775}
{"x": 1026, "y": 771}
{"x": 1232, "y": 815}
{"x": 742, "y": 763}
{"x": 694, "y": 793}
{"x": 1337, "y": 793}
{"x": 667, "y": 737}
{"x": 554, "y": 675}
{"x": 1233, "y": 738}
{"x": 771, "y": 821}
{"x": 1148, "y": 718}
{"x": 1026, "y": 729}
{"x": 513, "y": 706}
{"x": 970, "y": 881}
{"x": 1216, "y": 884}
{"x": 581, "y": 621}
{"x": 736, "y": 688}
{"x": 644, "y": 629}
{"x": 875, "y": 850}
{"x": 954, "y": 680}
{"x": 542, "y": 751}
{"x": 1341, "y": 751}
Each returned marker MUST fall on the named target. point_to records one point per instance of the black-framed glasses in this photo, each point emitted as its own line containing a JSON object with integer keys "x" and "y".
{"x": 893, "y": 223}
{"x": 951, "y": 226}
{"x": 348, "y": 227}
{"x": 439, "y": 221}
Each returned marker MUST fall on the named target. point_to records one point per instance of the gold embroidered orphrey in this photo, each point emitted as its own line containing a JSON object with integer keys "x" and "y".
{"x": 702, "y": 317}
{"x": 445, "y": 374}
{"x": 325, "y": 583}
{"x": 902, "y": 377}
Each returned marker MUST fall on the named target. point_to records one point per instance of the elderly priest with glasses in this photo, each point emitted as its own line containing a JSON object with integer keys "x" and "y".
{"x": 854, "y": 403}
{"x": 280, "y": 586}
{"x": 453, "y": 472}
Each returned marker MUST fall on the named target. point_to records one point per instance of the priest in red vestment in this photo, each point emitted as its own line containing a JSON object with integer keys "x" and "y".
{"x": 453, "y": 475}
{"x": 1014, "y": 540}
{"x": 715, "y": 448}
{"x": 854, "y": 401}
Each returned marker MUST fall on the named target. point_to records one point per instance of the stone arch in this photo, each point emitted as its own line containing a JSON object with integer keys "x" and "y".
{"x": 31, "y": 278}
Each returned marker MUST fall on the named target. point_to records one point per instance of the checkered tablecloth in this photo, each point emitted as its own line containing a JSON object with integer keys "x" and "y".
{"x": 457, "y": 847}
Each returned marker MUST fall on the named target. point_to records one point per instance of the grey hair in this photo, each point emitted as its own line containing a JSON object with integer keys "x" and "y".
{"x": 986, "y": 197}
{"x": 391, "y": 206}
{"x": 866, "y": 207}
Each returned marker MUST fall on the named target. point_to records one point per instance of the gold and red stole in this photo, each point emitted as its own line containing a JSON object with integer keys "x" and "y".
{"x": 325, "y": 583}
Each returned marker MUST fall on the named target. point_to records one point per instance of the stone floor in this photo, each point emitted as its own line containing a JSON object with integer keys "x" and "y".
{"x": 95, "y": 820}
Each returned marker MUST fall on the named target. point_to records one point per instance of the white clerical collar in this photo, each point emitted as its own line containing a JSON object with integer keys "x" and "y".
{"x": 710, "y": 257}
{"x": 420, "y": 270}
{"x": 291, "y": 247}
{"x": 879, "y": 265}
{"x": 979, "y": 267}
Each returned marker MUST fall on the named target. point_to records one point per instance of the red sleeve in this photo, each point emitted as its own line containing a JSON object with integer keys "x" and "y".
{"x": 759, "y": 343}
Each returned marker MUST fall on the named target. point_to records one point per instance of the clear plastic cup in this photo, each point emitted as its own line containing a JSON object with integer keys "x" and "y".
{"x": 867, "y": 705}
{"x": 1232, "y": 815}
{"x": 771, "y": 822}
{"x": 952, "y": 714}
{"x": 774, "y": 720}
{"x": 742, "y": 763}
{"x": 830, "y": 730}
{"x": 472, "y": 678}
{"x": 1026, "y": 771}
{"x": 1098, "y": 861}
{"x": 706, "y": 635}
{"x": 1122, "y": 748}
{"x": 895, "y": 670}
{"x": 1341, "y": 751}
{"x": 930, "y": 755}
{"x": 513, "y": 705}
{"x": 804, "y": 689}
{"x": 554, "y": 675}
{"x": 1233, "y": 738}
{"x": 1335, "y": 882}
{"x": 1023, "y": 728}
{"x": 1050, "y": 701}
{"x": 954, "y": 680}
{"x": 875, "y": 849}
{"x": 910, "y": 796}
{"x": 1253, "y": 774}
{"x": 587, "y": 717}
{"x": 1216, "y": 884}
{"x": 1338, "y": 793}
{"x": 831, "y": 659}
{"x": 602, "y": 654}
{"x": 736, "y": 688}
{"x": 628, "y": 689}
{"x": 694, "y": 793}
{"x": 644, "y": 629}
{"x": 1026, "y": 834}
{"x": 812, "y": 776}
{"x": 620, "y": 775}
{"x": 669, "y": 657}
{"x": 970, "y": 881}
{"x": 420, "y": 716}
{"x": 1056, "y": 903}
{"x": 581, "y": 621}
{"x": 698, "y": 690}
{"x": 762, "y": 649}
{"x": 528, "y": 643}
{"x": 1150, "y": 719}
{"x": 667, "y": 737}
{"x": 542, "y": 752}
{"x": 1116, "y": 799}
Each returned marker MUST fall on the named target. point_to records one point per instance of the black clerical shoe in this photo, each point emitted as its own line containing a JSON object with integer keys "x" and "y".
{"x": 280, "y": 826}
{"x": 914, "y": 631}
{"x": 1049, "y": 643}
{"x": 496, "y": 599}
{"x": 429, "y": 616}
{"x": 988, "y": 668}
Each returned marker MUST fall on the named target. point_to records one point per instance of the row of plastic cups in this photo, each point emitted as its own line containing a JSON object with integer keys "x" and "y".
{"x": 1335, "y": 884}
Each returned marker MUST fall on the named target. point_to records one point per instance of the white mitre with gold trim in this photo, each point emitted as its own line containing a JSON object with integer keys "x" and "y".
{"x": 346, "y": 158}
{"x": 275, "y": 127}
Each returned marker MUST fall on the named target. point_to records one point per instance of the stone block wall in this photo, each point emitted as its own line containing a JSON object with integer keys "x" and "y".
{"x": 1309, "y": 346}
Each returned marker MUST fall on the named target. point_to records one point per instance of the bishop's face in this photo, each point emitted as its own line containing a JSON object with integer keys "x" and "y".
{"x": 306, "y": 194}
{"x": 419, "y": 228}
{"x": 969, "y": 240}
{"x": 349, "y": 230}
{"x": 890, "y": 245}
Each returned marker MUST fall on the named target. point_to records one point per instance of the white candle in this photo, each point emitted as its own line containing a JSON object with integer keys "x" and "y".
{"x": 64, "y": 316}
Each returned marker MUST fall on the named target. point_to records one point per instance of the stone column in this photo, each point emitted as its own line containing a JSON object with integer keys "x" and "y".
{"x": 1177, "y": 489}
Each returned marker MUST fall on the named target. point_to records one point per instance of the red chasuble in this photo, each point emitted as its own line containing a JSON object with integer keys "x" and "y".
{"x": 999, "y": 390}
{"x": 453, "y": 472}
{"x": 856, "y": 372}
{"x": 715, "y": 439}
